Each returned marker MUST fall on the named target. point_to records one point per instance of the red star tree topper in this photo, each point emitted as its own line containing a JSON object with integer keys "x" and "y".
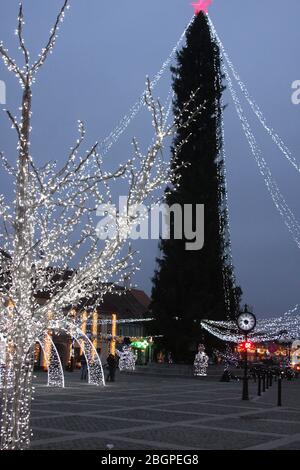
{"x": 202, "y": 5}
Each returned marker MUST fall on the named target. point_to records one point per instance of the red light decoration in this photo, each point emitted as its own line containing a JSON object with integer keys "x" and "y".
{"x": 246, "y": 345}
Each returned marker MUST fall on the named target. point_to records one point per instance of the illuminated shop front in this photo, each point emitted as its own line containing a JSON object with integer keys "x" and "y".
{"x": 102, "y": 328}
{"x": 277, "y": 352}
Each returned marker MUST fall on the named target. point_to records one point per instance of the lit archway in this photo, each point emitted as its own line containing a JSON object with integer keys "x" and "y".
{"x": 55, "y": 370}
{"x": 94, "y": 365}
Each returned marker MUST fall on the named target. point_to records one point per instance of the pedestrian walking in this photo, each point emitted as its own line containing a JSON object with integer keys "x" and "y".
{"x": 112, "y": 366}
{"x": 84, "y": 370}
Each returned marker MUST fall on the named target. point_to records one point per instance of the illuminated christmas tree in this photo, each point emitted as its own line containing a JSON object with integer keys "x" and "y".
{"x": 189, "y": 286}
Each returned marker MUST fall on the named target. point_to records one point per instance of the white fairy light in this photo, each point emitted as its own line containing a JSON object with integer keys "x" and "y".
{"x": 94, "y": 365}
{"x": 201, "y": 362}
{"x": 127, "y": 359}
{"x": 108, "y": 321}
{"x": 278, "y": 199}
{"x": 224, "y": 224}
{"x": 286, "y": 326}
{"x": 51, "y": 204}
{"x": 229, "y": 357}
{"x": 117, "y": 132}
{"x": 254, "y": 106}
{"x": 55, "y": 370}
{"x": 286, "y": 213}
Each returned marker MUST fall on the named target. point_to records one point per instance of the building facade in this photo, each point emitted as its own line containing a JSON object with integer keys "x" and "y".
{"x": 119, "y": 317}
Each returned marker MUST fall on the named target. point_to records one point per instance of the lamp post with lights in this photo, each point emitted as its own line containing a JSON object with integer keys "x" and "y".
{"x": 246, "y": 322}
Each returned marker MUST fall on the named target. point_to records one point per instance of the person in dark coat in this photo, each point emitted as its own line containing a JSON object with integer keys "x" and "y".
{"x": 112, "y": 366}
{"x": 84, "y": 370}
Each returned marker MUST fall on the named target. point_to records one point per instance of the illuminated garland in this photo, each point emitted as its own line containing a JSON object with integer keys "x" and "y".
{"x": 2, "y": 357}
{"x": 94, "y": 365}
{"x": 121, "y": 338}
{"x": 229, "y": 280}
{"x": 127, "y": 359}
{"x": 51, "y": 202}
{"x": 285, "y": 327}
{"x": 229, "y": 357}
{"x": 274, "y": 191}
{"x": 54, "y": 366}
{"x": 114, "y": 136}
{"x": 201, "y": 362}
{"x": 37, "y": 235}
{"x": 254, "y": 106}
{"x": 108, "y": 321}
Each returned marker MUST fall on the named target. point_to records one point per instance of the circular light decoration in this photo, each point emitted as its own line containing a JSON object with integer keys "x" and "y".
{"x": 246, "y": 321}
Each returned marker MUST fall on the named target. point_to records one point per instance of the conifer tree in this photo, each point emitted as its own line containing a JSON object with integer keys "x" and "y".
{"x": 192, "y": 285}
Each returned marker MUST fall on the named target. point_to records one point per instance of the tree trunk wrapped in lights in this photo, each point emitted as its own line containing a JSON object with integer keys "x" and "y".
{"x": 16, "y": 399}
{"x": 53, "y": 203}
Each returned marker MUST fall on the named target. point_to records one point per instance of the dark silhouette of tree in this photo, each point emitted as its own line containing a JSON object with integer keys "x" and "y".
{"x": 190, "y": 285}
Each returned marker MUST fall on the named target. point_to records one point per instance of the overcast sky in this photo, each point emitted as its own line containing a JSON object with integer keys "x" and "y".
{"x": 104, "y": 52}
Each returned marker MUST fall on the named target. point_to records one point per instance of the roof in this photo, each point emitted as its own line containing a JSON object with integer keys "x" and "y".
{"x": 124, "y": 303}
{"x": 129, "y": 304}
{"x": 142, "y": 297}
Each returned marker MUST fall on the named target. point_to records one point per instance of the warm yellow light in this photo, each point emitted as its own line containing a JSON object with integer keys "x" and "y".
{"x": 73, "y": 313}
{"x": 9, "y": 303}
{"x": 113, "y": 333}
{"x": 84, "y": 317}
{"x": 46, "y": 352}
{"x": 95, "y": 330}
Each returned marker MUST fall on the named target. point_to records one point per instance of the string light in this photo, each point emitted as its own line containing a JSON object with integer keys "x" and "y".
{"x": 56, "y": 376}
{"x": 201, "y": 362}
{"x": 51, "y": 204}
{"x": 228, "y": 357}
{"x": 277, "y": 197}
{"x": 274, "y": 191}
{"x": 108, "y": 321}
{"x": 123, "y": 124}
{"x": 286, "y": 326}
{"x": 254, "y": 106}
{"x": 229, "y": 280}
{"x": 94, "y": 365}
{"x": 127, "y": 359}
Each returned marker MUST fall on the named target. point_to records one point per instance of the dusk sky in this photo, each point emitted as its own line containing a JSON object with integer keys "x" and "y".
{"x": 104, "y": 52}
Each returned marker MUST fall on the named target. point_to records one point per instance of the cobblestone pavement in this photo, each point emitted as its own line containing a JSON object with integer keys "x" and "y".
{"x": 139, "y": 412}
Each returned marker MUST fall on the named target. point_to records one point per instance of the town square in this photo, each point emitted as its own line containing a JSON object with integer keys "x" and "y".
{"x": 149, "y": 234}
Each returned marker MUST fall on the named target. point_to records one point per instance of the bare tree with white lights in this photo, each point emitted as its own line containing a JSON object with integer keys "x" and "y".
{"x": 51, "y": 225}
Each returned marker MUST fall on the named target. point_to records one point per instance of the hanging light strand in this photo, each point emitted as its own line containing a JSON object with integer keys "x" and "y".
{"x": 123, "y": 124}
{"x": 278, "y": 199}
{"x": 254, "y": 106}
{"x": 286, "y": 327}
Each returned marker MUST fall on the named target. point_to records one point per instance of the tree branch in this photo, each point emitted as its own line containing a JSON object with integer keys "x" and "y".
{"x": 21, "y": 39}
{"x": 11, "y": 64}
{"x": 14, "y": 123}
{"x": 52, "y": 39}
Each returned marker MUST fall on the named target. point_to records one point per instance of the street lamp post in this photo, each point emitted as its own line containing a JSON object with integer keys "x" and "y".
{"x": 245, "y": 380}
{"x": 150, "y": 341}
{"x": 246, "y": 322}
